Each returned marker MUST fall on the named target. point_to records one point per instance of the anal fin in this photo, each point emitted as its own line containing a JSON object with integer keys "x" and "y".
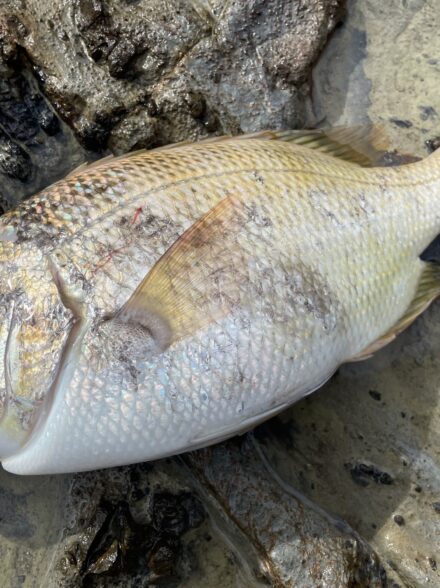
{"x": 427, "y": 291}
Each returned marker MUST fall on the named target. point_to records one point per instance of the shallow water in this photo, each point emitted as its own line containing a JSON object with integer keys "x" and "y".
{"x": 365, "y": 448}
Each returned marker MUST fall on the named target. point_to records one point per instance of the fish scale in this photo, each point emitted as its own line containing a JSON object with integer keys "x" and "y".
{"x": 190, "y": 292}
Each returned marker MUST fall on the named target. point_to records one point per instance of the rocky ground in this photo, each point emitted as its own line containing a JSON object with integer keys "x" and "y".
{"x": 136, "y": 73}
{"x": 342, "y": 490}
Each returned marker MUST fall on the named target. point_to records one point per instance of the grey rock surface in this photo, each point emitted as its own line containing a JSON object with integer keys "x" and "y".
{"x": 131, "y": 74}
{"x": 36, "y": 147}
{"x": 299, "y": 544}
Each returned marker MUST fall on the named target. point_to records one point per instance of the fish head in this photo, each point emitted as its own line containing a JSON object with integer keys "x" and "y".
{"x": 101, "y": 393}
{"x": 68, "y": 366}
{"x": 116, "y": 388}
{"x": 33, "y": 328}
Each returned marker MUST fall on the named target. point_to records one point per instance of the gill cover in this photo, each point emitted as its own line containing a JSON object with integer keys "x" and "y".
{"x": 33, "y": 331}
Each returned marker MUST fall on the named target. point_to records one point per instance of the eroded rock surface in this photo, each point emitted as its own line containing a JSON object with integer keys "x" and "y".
{"x": 141, "y": 73}
{"x": 299, "y": 545}
{"x": 36, "y": 147}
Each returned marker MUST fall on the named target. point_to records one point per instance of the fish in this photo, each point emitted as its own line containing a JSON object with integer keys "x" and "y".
{"x": 165, "y": 300}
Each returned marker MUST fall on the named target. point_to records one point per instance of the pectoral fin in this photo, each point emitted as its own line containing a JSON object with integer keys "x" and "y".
{"x": 427, "y": 291}
{"x": 195, "y": 282}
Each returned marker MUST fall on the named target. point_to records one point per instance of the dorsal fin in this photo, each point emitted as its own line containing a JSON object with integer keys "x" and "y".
{"x": 363, "y": 145}
{"x": 86, "y": 165}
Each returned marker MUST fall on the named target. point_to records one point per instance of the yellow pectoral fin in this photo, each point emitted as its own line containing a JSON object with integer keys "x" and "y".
{"x": 196, "y": 282}
{"x": 427, "y": 291}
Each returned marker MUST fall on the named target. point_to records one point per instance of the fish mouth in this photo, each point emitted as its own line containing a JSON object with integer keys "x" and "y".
{"x": 24, "y": 417}
{"x": 18, "y": 435}
{"x": 18, "y": 414}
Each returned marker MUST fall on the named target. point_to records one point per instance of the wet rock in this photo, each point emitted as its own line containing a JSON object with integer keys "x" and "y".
{"x": 427, "y": 112}
{"x": 125, "y": 526}
{"x": 375, "y": 395}
{"x": 36, "y": 148}
{"x": 299, "y": 545}
{"x": 14, "y": 161}
{"x": 124, "y": 547}
{"x": 399, "y": 520}
{"x": 432, "y": 252}
{"x": 13, "y": 519}
{"x": 207, "y": 67}
{"x": 432, "y": 144}
{"x": 403, "y": 124}
{"x": 363, "y": 473}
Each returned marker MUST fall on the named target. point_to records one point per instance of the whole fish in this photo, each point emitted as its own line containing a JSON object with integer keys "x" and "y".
{"x": 165, "y": 300}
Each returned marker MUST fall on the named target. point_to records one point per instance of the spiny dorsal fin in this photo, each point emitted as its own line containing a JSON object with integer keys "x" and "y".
{"x": 195, "y": 282}
{"x": 363, "y": 144}
{"x": 427, "y": 291}
{"x": 86, "y": 165}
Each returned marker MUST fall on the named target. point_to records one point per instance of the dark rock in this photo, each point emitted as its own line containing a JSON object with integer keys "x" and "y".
{"x": 36, "y": 148}
{"x": 375, "y": 395}
{"x": 161, "y": 560}
{"x": 403, "y": 124}
{"x": 298, "y": 543}
{"x": 13, "y": 522}
{"x": 171, "y": 513}
{"x": 14, "y": 160}
{"x": 427, "y": 112}
{"x": 242, "y": 67}
{"x": 432, "y": 252}
{"x": 363, "y": 473}
{"x": 432, "y": 144}
{"x": 119, "y": 541}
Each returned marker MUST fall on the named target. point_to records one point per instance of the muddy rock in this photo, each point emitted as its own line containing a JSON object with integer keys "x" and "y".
{"x": 131, "y": 74}
{"x": 299, "y": 545}
{"x": 36, "y": 147}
